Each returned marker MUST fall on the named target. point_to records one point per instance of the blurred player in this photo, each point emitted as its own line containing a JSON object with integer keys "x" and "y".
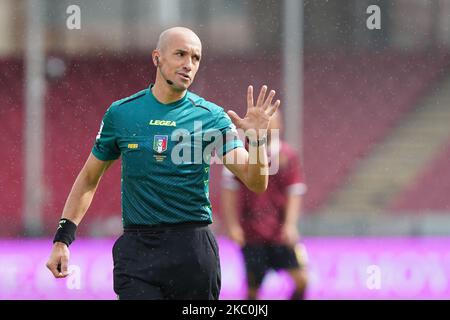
{"x": 266, "y": 225}
{"x": 167, "y": 250}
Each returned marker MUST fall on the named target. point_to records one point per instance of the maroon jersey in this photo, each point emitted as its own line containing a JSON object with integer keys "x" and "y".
{"x": 262, "y": 215}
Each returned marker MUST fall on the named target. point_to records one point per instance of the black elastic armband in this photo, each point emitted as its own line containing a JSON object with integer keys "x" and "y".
{"x": 65, "y": 232}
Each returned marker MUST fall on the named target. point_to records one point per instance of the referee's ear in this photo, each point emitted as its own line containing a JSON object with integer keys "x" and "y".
{"x": 155, "y": 58}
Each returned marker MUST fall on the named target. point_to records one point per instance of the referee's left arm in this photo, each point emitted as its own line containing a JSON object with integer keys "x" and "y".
{"x": 252, "y": 167}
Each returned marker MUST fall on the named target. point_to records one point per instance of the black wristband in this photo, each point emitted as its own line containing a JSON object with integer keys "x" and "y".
{"x": 65, "y": 232}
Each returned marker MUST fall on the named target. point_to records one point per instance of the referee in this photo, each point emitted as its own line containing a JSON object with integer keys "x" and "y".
{"x": 167, "y": 250}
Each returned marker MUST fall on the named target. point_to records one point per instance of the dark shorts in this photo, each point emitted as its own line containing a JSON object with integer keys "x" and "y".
{"x": 179, "y": 262}
{"x": 259, "y": 259}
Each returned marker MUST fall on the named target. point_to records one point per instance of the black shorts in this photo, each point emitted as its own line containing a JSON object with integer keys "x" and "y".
{"x": 179, "y": 262}
{"x": 263, "y": 257}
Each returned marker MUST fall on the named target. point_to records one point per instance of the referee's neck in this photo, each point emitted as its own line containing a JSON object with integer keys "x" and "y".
{"x": 165, "y": 94}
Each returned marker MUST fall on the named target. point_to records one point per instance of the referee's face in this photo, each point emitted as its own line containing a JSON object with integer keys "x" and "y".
{"x": 180, "y": 60}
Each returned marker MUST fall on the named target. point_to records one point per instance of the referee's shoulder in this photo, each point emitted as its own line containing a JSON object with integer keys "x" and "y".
{"x": 201, "y": 102}
{"x": 133, "y": 98}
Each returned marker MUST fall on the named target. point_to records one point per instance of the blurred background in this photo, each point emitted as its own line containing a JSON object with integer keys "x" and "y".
{"x": 366, "y": 104}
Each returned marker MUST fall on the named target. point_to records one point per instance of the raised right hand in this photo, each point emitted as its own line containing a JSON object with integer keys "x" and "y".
{"x": 258, "y": 115}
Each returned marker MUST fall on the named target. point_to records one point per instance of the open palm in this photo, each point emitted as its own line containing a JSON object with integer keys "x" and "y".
{"x": 258, "y": 116}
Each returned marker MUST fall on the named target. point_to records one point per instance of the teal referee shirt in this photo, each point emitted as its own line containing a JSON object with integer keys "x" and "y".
{"x": 166, "y": 153}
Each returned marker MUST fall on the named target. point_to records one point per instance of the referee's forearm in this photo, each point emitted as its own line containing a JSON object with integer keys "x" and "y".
{"x": 257, "y": 170}
{"x": 79, "y": 199}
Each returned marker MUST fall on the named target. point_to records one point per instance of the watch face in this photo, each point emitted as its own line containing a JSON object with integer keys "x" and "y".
{"x": 259, "y": 142}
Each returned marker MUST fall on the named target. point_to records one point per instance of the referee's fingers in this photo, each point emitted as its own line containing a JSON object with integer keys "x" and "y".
{"x": 58, "y": 266}
{"x": 65, "y": 265}
{"x": 53, "y": 267}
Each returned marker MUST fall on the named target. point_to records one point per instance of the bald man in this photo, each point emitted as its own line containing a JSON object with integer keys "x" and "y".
{"x": 165, "y": 135}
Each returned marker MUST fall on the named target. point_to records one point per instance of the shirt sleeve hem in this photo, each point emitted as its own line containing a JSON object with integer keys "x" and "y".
{"x": 231, "y": 146}
{"x": 103, "y": 157}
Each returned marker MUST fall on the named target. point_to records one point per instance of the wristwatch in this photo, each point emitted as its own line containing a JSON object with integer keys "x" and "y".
{"x": 258, "y": 143}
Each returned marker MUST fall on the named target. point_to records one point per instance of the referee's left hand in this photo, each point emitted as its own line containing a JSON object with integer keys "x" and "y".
{"x": 258, "y": 116}
{"x": 58, "y": 263}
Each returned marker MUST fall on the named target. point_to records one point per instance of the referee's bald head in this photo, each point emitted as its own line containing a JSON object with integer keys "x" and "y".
{"x": 176, "y": 33}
